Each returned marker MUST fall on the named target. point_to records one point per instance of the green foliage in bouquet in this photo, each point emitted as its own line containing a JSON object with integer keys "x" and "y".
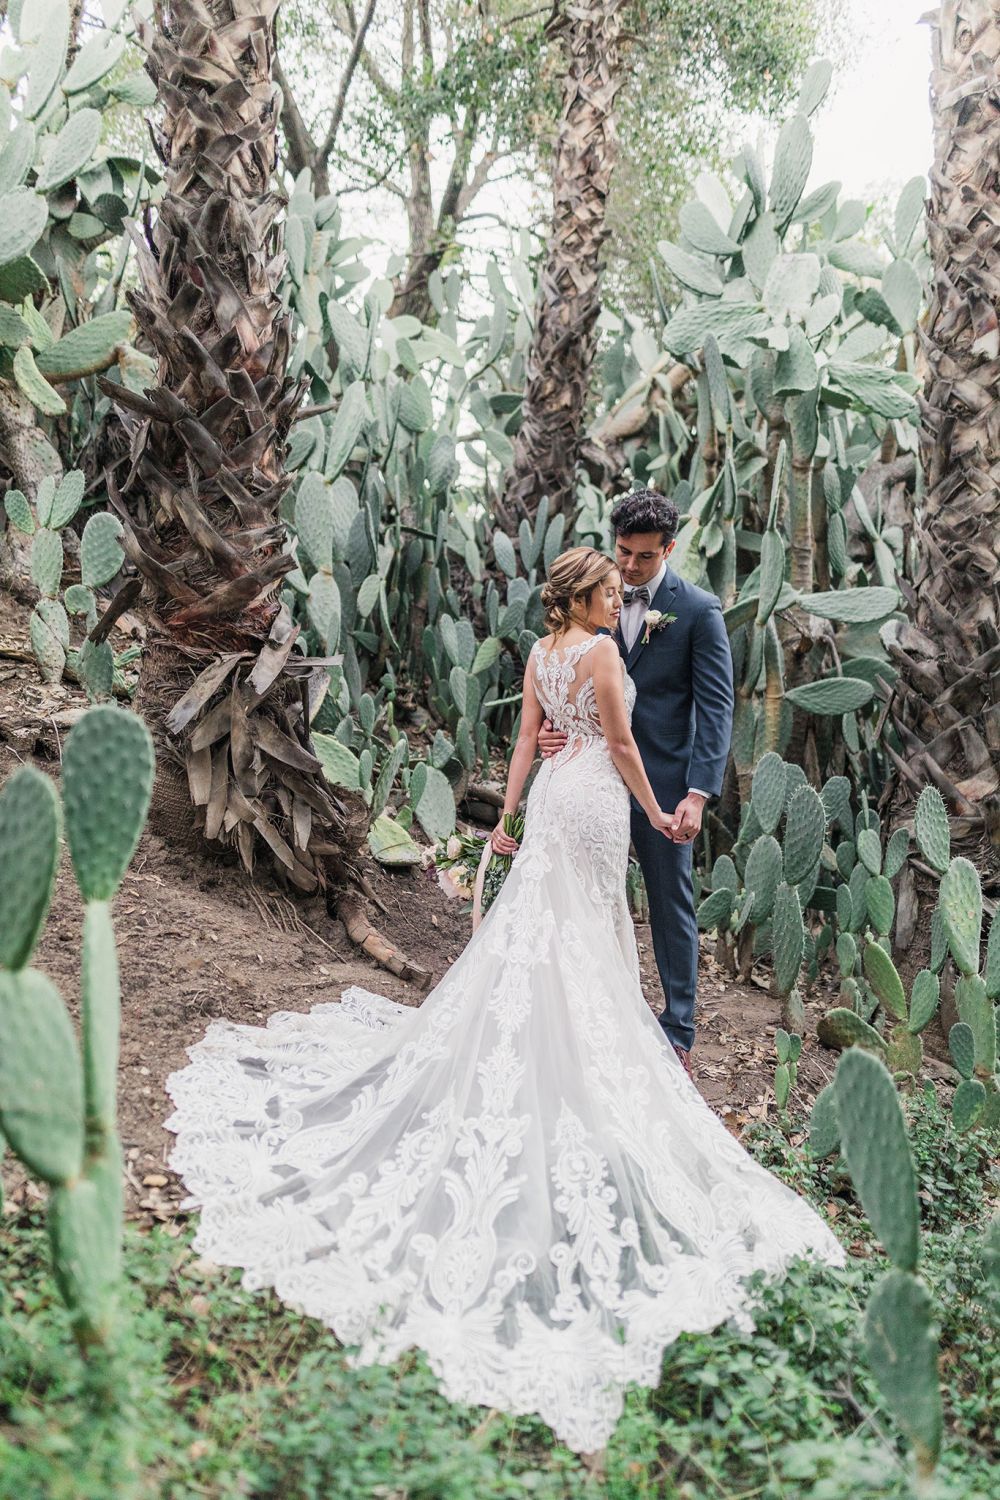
{"x": 499, "y": 866}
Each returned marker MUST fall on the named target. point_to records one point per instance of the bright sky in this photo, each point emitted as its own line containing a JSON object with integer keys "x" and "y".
{"x": 874, "y": 129}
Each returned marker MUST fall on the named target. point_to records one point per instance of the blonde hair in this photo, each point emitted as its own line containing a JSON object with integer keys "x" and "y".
{"x": 572, "y": 580}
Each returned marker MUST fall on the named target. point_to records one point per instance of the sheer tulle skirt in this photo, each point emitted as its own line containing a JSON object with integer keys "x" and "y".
{"x": 517, "y": 1177}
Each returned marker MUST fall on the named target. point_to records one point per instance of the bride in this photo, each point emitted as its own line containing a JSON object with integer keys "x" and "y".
{"x": 519, "y": 1178}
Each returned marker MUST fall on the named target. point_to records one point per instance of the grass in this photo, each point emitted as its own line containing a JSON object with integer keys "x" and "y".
{"x": 228, "y": 1394}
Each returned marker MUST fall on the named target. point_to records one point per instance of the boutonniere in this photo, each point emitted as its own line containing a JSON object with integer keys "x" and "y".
{"x": 656, "y": 620}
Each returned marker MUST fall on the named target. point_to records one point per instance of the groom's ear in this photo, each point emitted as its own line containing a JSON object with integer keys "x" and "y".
{"x": 670, "y": 546}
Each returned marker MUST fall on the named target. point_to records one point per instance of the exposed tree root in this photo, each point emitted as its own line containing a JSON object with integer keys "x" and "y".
{"x": 361, "y": 932}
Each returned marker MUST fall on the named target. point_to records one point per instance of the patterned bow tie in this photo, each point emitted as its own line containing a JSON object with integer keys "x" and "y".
{"x": 642, "y": 592}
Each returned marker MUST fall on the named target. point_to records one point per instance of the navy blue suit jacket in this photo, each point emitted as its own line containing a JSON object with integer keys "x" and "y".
{"x": 683, "y": 716}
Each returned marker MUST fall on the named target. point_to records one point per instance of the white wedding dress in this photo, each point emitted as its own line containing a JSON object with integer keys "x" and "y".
{"x": 517, "y": 1177}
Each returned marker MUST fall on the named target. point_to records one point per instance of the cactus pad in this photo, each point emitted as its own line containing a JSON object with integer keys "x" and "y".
{"x": 768, "y": 792}
{"x": 880, "y": 903}
{"x": 29, "y": 857}
{"x": 847, "y": 954}
{"x": 67, "y": 499}
{"x": 724, "y": 876}
{"x": 100, "y": 555}
{"x": 742, "y": 916}
{"x": 991, "y": 969}
{"x": 46, "y": 561}
{"x": 763, "y": 872}
{"x": 905, "y": 1053}
{"x": 715, "y": 911}
{"x": 434, "y": 806}
{"x": 845, "y": 1028}
{"x": 95, "y": 667}
{"x": 880, "y": 971}
{"x": 962, "y": 913}
{"x": 977, "y": 1011}
{"x": 873, "y": 1138}
{"x": 858, "y": 887}
{"x": 902, "y": 1352}
{"x": 824, "y": 1127}
{"x": 845, "y": 908}
{"x": 41, "y": 1085}
{"x": 932, "y": 828}
{"x": 787, "y": 938}
{"x": 870, "y": 850}
{"x": 782, "y": 1085}
{"x": 836, "y": 797}
{"x": 19, "y": 512}
{"x": 847, "y": 857}
{"x": 82, "y": 1230}
{"x": 924, "y": 997}
{"x": 895, "y": 853}
{"x": 805, "y": 831}
{"x": 962, "y": 1046}
{"x": 107, "y": 781}
{"x": 939, "y": 941}
{"x": 968, "y": 1104}
{"x": 49, "y": 631}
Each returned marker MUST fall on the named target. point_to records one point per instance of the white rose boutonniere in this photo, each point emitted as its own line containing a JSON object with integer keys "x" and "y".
{"x": 656, "y": 620}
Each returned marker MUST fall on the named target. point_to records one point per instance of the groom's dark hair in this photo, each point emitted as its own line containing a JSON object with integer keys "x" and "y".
{"x": 645, "y": 510}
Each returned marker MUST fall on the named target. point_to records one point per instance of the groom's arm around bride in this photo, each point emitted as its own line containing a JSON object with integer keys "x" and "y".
{"x": 673, "y": 640}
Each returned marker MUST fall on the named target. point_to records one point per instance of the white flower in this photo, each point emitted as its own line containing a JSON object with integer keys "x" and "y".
{"x": 653, "y": 618}
{"x": 453, "y": 848}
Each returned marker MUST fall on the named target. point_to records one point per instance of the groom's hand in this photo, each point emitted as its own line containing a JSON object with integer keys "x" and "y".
{"x": 550, "y": 741}
{"x": 687, "y": 818}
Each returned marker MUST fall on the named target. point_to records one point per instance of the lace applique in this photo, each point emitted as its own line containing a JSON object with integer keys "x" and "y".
{"x": 517, "y": 1176}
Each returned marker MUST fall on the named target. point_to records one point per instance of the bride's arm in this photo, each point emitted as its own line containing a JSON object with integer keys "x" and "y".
{"x": 609, "y": 690}
{"x": 520, "y": 761}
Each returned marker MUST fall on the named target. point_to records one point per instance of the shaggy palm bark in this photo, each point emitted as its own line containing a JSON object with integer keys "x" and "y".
{"x": 562, "y": 350}
{"x": 224, "y": 690}
{"x": 947, "y": 701}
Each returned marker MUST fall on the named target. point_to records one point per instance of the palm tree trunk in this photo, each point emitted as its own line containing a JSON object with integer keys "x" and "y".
{"x": 562, "y": 349}
{"x": 955, "y": 601}
{"x": 226, "y": 695}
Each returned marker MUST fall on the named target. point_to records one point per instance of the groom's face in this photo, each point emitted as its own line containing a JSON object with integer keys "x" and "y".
{"x": 641, "y": 556}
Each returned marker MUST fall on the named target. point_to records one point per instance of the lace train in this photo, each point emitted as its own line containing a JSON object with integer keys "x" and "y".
{"x": 517, "y": 1177}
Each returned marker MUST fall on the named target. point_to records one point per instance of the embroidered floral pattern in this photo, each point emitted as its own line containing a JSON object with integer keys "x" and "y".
{"x": 517, "y": 1177}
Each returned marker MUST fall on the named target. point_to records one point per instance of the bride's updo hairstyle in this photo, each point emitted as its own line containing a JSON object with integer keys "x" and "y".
{"x": 572, "y": 580}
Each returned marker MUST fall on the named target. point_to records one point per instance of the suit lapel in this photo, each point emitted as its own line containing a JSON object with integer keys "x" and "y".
{"x": 662, "y": 600}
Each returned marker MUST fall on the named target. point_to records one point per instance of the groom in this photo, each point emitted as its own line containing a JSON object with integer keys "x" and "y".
{"x": 682, "y": 667}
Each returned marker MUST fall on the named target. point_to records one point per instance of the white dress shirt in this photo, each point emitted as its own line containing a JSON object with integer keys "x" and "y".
{"x": 632, "y": 620}
{"x": 633, "y": 615}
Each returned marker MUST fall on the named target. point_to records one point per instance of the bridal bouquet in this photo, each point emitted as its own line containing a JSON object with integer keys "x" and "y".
{"x": 464, "y": 853}
{"x": 499, "y": 865}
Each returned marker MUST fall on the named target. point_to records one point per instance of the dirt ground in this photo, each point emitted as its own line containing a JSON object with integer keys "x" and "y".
{"x": 198, "y": 941}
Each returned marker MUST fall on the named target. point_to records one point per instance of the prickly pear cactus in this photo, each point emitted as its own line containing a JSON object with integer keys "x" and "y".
{"x": 57, "y": 1111}
{"x": 873, "y": 1138}
{"x": 788, "y": 938}
{"x": 932, "y": 829}
{"x": 962, "y": 913}
{"x": 901, "y": 1344}
{"x": 880, "y": 971}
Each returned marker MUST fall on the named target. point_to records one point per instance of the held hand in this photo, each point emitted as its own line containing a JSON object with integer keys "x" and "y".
{"x": 687, "y": 818}
{"x": 502, "y": 842}
{"x": 550, "y": 741}
{"x": 664, "y": 823}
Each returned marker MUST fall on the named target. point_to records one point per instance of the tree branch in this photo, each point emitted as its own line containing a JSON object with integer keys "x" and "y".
{"x": 353, "y": 59}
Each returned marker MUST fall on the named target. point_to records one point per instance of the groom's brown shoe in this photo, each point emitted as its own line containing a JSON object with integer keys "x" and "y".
{"x": 685, "y": 1059}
